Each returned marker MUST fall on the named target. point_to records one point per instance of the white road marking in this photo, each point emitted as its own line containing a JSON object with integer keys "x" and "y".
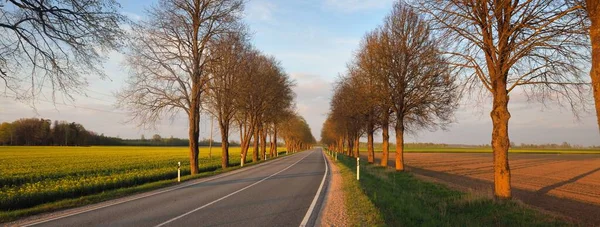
{"x": 233, "y": 193}
{"x": 314, "y": 202}
{"x": 69, "y": 214}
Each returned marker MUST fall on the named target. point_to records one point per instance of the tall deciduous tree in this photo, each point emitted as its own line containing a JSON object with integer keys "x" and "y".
{"x": 422, "y": 91}
{"x": 168, "y": 59}
{"x": 505, "y": 44}
{"x": 592, "y": 12}
{"x": 229, "y": 52}
{"x": 59, "y": 42}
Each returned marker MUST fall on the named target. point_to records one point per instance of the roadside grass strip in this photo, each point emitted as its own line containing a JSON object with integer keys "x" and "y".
{"x": 359, "y": 208}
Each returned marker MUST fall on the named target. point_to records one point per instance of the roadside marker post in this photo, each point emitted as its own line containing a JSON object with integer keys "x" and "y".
{"x": 357, "y": 168}
{"x": 178, "y": 171}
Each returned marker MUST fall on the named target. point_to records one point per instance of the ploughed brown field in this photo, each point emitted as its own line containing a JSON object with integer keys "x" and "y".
{"x": 561, "y": 183}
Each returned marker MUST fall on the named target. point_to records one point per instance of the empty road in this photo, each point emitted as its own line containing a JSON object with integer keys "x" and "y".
{"x": 284, "y": 192}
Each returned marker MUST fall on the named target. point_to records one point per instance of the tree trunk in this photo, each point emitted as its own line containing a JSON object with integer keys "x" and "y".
{"x": 500, "y": 140}
{"x": 263, "y": 142}
{"x": 350, "y": 146}
{"x": 255, "y": 147}
{"x": 271, "y": 154}
{"x": 399, "y": 145}
{"x": 386, "y": 140}
{"x": 275, "y": 141}
{"x": 593, "y": 9}
{"x": 224, "y": 145}
{"x": 356, "y": 147}
{"x": 246, "y": 136}
{"x": 370, "y": 149}
{"x": 194, "y": 134}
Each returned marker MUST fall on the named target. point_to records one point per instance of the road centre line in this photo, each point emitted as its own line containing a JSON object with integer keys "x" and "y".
{"x": 69, "y": 214}
{"x": 314, "y": 202}
{"x": 230, "y": 194}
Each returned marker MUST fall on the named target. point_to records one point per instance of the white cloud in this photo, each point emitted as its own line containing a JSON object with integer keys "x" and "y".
{"x": 312, "y": 100}
{"x": 260, "y": 11}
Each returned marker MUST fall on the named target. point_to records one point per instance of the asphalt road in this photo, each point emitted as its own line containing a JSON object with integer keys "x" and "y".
{"x": 284, "y": 192}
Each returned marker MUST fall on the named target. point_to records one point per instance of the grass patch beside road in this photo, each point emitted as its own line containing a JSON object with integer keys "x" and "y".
{"x": 404, "y": 200}
{"x": 359, "y": 208}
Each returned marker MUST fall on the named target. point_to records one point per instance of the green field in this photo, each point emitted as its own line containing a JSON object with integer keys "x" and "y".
{"x": 30, "y": 176}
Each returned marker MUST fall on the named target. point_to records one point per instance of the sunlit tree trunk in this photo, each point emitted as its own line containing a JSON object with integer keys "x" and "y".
{"x": 370, "y": 149}
{"x": 224, "y": 145}
{"x": 593, "y": 9}
{"x": 356, "y": 146}
{"x": 194, "y": 133}
{"x": 386, "y": 139}
{"x": 500, "y": 140}
{"x": 263, "y": 142}
{"x": 255, "y": 147}
{"x": 399, "y": 146}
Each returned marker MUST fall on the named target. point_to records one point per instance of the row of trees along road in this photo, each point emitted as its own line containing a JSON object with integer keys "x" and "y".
{"x": 174, "y": 58}
{"x": 540, "y": 47}
{"x": 190, "y": 56}
{"x": 397, "y": 78}
{"x": 494, "y": 46}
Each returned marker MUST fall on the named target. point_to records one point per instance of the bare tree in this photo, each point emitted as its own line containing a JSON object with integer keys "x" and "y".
{"x": 265, "y": 90}
{"x": 422, "y": 91}
{"x": 168, "y": 59}
{"x": 55, "y": 42}
{"x": 229, "y": 53}
{"x": 371, "y": 76}
{"x": 506, "y": 44}
{"x": 591, "y": 11}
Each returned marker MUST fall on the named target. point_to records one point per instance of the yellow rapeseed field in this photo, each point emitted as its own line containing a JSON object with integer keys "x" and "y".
{"x": 30, "y": 176}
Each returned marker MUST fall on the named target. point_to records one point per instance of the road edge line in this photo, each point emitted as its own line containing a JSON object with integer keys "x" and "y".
{"x": 142, "y": 196}
{"x": 230, "y": 194}
{"x": 314, "y": 202}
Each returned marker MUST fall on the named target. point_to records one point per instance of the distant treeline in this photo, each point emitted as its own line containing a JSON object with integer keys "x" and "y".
{"x": 42, "y": 132}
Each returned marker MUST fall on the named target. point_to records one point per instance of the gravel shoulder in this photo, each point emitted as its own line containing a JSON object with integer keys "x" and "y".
{"x": 334, "y": 210}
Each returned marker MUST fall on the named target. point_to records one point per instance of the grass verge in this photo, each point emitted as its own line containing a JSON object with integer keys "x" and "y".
{"x": 403, "y": 200}
{"x": 359, "y": 208}
{"x": 7, "y": 216}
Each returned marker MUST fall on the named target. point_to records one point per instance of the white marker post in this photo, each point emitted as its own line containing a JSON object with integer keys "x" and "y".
{"x": 178, "y": 171}
{"x": 357, "y": 168}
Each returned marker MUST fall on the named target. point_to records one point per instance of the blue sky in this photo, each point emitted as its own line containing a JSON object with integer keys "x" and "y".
{"x": 313, "y": 39}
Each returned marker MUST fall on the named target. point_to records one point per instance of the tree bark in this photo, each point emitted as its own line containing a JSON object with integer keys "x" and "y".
{"x": 593, "y": 9}
{"x": 356, "y": 147}
{"x": 275, "y": 141}
{"x": 194, "y": 134}
{"x": 370, "y": 149}
{"x": 224, "y": 145}
{"x": 386, "y": 140}
{"x": 255, "y": 147}
{"x": 350, "y": 146}
{"x": 500, "y": 140}
{"x": 263, "y": 142}
{"x": 399, "y": 145}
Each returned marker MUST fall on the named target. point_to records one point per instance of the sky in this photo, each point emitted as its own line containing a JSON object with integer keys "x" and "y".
{"x": 313, "y": 40}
